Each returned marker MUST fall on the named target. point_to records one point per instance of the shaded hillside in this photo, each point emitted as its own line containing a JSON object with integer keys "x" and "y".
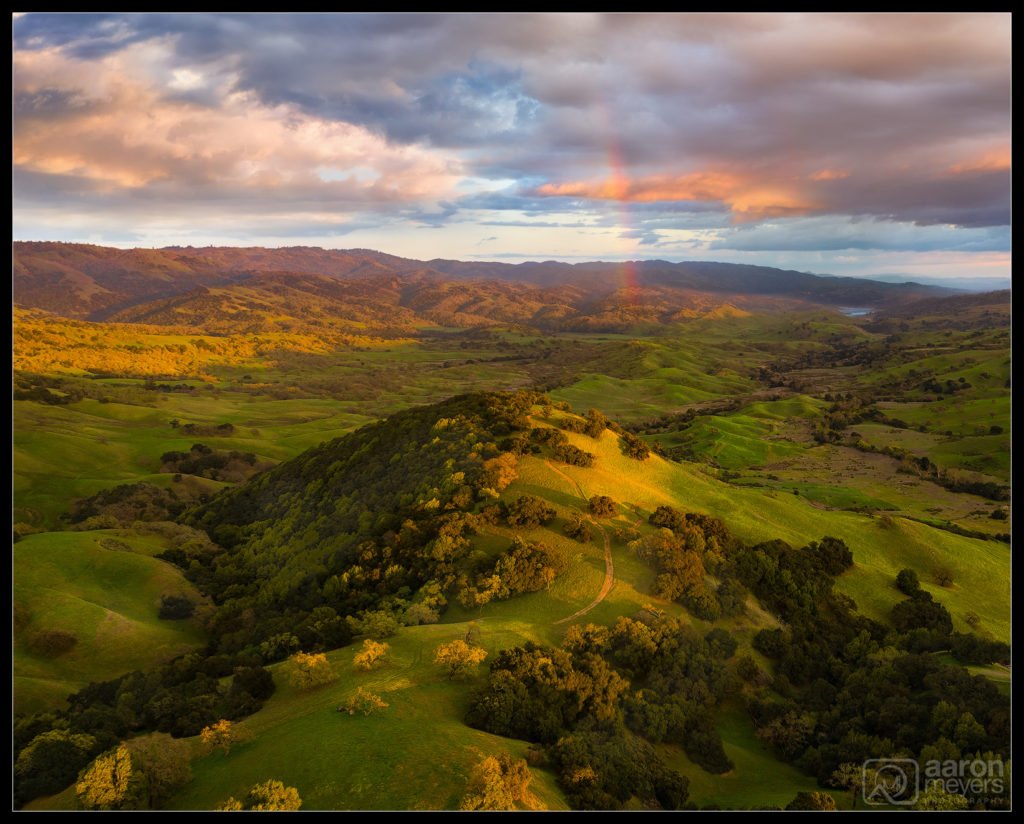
{"x": 84, "y": 281}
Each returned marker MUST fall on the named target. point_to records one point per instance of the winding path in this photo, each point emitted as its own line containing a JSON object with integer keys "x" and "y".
{"x": 609, "y": 564}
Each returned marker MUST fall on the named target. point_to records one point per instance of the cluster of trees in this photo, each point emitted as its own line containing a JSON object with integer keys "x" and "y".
{"x": 216, "y": 464}
{"x": 135, "y": 775}
{"x": 126, "y": 503}
{"x": 574, "y": 456}
{"x": 601, "y": 506}
{"x": 523, "y": 567}
{"x": 592, "y": 424}
{"x": 633, "y": 447}
{"x": 852, "y": 688}
{"x": 180, "y": 698}
{"x": 683, "y": 550}
{"x": 655, "y": 680}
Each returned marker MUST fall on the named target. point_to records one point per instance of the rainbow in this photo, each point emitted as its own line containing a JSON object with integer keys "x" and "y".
{"x": 617, "y": 189}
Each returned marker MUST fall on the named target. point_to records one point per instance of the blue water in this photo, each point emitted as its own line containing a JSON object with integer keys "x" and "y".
{"x": 855, "y": 312}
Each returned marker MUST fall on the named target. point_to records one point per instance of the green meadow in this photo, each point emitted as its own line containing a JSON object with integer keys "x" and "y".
{"x": 104, "y": 588}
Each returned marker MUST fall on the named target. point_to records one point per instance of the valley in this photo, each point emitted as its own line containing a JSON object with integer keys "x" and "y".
{"x": 374, "y": 449}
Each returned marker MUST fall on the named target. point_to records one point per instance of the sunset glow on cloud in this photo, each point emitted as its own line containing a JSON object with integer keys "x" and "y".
{"x": 524, "y": 136}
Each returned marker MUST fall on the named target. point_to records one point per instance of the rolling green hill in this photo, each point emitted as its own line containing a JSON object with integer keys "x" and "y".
{"x": 104, "y": 588}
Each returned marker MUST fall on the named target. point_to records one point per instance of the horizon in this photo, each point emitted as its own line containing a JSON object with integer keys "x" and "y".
{"x": 850, "y": 144}
{"x": 964, "y": 283}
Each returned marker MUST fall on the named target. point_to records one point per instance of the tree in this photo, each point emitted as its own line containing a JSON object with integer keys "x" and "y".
{"x": 364, "y": 702}
{"x": 223, "y": 734}
{"x": 164, "y": 762}
{"x": 112, "y": 782}
{"x": 529, "y": 511}
{"x": 373, "y": 653}
{"x": 499, "y": 472}
{"x": 944, "y": 576}
{"x": 377, "y": 624}
{"x": 459, "y": 658}
{"x": 602, "y": 506}
{"x": 578, "y": 529}
{"x": 310, "y": 670}
{"x": 907, "y": 582}
{"x": 497, "y": 784}
{"x": 270, "y": 796}
{"x": 633, "y": 447}
{"x": 50, "y": 762}
{"x": 812, "y": 801}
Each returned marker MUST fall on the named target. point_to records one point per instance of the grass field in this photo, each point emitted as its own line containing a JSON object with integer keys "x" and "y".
{"x": 107, "y": 597}
{"x": 418, "y": 753}
{"x": 980, "y": 568}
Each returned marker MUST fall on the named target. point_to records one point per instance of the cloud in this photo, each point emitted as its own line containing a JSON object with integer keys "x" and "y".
{"x": 842, "y": 234}
{"x": 660, "y": 124}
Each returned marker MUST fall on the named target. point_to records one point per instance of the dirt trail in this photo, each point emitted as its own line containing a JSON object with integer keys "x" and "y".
{"x": 609, "y": 564}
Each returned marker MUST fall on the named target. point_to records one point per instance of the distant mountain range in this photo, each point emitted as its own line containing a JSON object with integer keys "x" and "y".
{"x": 251, "y": 289}
{"x": 963, "y": 284}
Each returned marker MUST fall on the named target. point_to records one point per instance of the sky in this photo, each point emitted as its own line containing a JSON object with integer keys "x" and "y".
{"x": 852, "y": 144}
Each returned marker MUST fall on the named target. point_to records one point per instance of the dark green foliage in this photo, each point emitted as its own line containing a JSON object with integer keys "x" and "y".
{"x": 704, "y": 745}
{"x": 601, "y": 506}
{"x": 548, "y": 436}
{"x": 601, "y": 771}
{"x": 907, "y": 582}
{"x": 204, "y": 462}
{"x": 968, "y": 648}
{"x": 130, "y": 502}
{"x": 256, "y": 681}
{"x": 578, "y": 529}
{"x": 322, "y": 529}
{"x": 51, "y": 761}
{"x": 528, "y": 511}
{"x": 633, "y": 447}
{"x": 722, "y": 644}
{"x": 921, "y": 612}
{"x": 575, "y": 698}
{"x": 569, "y": 454}
{"x": 834, "y": 556}
{"x": 812, "y": 801}
{"x": 173, "y": 607}
{"x": 538, "y": 693}
{"x": 524, "y": 567}
{"x": 668, "y": 517}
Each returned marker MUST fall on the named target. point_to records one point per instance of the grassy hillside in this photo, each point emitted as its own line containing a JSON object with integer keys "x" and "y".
{"x": 104, "y": 588}
{"x": 980, "y": 568}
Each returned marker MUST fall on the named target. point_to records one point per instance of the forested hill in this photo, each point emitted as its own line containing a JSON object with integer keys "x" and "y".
{"x": 360, "y": 519}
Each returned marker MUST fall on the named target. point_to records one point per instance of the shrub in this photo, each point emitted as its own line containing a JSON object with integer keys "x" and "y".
{"x": 176, "y": 607}
{"x": 49, "y": 643}
{"x": 363, "y": 702}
